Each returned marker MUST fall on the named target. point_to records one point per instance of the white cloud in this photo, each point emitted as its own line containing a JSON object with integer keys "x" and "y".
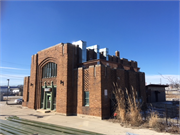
{"x": 13, "y": 68}
{"x": 12, "y": 82}
{"x": 14, "y": 79}
{"x": 156, "y": 79}
{"x": 12, "y": 76}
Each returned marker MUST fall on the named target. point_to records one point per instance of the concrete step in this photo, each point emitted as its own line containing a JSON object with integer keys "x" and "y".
{"x": 43, "y": 111}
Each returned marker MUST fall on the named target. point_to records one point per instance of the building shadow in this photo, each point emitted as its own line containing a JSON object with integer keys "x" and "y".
{"x": 38, "y": 116}
{"x": 13, "y": 104}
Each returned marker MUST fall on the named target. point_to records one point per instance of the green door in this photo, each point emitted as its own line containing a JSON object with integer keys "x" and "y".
{"x": 48, "y": 98}
{"x": 48, "y": 101}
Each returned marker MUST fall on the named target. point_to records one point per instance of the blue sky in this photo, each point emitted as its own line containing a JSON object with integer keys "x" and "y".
{"x": 144, "y": 31}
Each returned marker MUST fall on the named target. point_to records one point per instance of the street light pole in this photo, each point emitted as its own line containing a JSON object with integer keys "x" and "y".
{"x": 7, "y": 92}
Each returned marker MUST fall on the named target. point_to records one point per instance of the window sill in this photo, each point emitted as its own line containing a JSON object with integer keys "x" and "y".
{"x": 49, "y": 77}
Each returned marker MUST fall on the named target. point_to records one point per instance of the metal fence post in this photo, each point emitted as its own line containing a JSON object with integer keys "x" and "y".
{"x": 166, "y": 112}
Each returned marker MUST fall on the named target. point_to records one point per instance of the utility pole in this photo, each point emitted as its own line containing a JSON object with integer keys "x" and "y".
{"x": 160, "y": 80}
{"x": 7, "y": 92}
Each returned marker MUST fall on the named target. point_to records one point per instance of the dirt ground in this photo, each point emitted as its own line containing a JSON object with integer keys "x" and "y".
{"x": 85, "y": 123}
{"x": 172, "y": 95}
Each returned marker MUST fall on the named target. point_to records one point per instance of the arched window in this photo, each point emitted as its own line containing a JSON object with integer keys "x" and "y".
{"x": 49, "y": 70}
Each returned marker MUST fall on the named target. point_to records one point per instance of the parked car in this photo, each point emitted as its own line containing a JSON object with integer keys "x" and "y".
{"x": 18, "y": 101}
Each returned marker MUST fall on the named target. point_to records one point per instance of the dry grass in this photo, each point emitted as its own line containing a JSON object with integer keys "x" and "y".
{"x": 134, "y": 108}
{"x": 129, "y": 112}
{"x": 172, "y": 96}
{"x": 160, "y": 125}
{"x": 174, "y": 130}
{"x": 121, "y": 105}
{"x": 153, "y": 119}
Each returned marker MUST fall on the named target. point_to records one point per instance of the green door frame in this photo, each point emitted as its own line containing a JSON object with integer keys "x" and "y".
{"x": 45, "y": 100}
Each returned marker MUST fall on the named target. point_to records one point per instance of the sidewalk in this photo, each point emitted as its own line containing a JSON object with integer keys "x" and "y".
{"x": 84, "y": 123}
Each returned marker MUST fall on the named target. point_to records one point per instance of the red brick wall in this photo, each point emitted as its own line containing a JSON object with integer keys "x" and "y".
{"x": 80, "y": 89}
{"x": 72, "y": 80}
{"x": 106, "y": 85}
{"x": 125, "y": 79}
{"x": 90, "y": 54}
{"x": 25, "y": 91}
{"x": 142, "y": 86}
{"x": 60, "y": 54}
{"x": 95, "y": 104}
{"x": 132, "y": 80}
{"x": 33, "y": 79}
{"x": 105, "y": 76}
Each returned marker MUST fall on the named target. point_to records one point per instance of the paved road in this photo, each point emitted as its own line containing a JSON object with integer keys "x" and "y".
{"x": 84, "y": 123}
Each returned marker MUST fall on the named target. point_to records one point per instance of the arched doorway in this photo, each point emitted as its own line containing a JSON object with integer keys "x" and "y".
{"x": 48, "y": 93}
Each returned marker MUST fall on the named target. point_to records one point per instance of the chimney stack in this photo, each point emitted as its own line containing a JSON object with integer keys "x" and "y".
{"x": 117, "y": 53}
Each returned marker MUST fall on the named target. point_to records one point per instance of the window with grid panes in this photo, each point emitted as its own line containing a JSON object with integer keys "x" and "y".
{"x": 86, "y": 98}
{"x": 49, "y": 70}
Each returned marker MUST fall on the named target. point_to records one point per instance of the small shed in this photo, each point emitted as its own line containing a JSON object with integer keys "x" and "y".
{"x": 156, "y": 93}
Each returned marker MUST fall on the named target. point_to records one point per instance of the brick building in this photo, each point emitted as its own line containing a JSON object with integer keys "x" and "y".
{"x": 77, "y": 80}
